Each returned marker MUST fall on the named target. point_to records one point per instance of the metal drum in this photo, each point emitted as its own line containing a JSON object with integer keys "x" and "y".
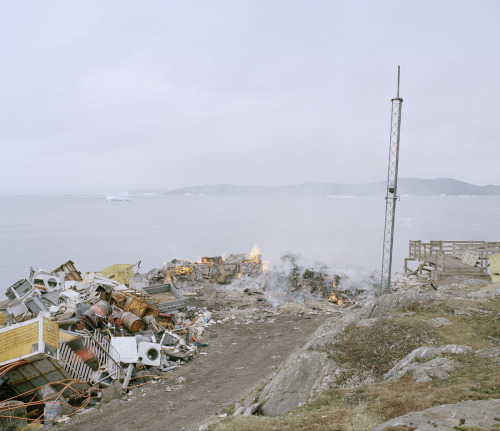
{"x": 102, "y": 307}
{"x": 132, "y": 322}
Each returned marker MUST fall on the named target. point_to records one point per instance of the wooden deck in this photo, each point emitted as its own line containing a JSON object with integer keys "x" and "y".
{"x": 451, "y": 257}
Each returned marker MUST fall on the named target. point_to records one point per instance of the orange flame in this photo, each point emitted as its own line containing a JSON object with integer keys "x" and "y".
{"x": 265, "y": 266}
{"x": 334, "y": 298}
{"x": 255, "y": 253}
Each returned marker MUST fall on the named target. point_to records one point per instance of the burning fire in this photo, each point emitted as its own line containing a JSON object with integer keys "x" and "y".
{"x": 180, "y": 270}
{"x": 334, "y": 298}
{"x": 255, "y": 252}
{"x": 177, "y": 270}
{"x": 265, "y": 266}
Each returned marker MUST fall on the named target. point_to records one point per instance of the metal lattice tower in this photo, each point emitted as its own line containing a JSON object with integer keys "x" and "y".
{"x": 391, "y": 196}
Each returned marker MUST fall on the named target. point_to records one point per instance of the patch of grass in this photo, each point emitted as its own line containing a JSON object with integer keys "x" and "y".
{"x": 378, "y": 347}
{"x": 400, "y": 428}
{"x": 344, "y": 418}
{"x": 374, "y": 350}
{"x": 478, "y": 330}
{"x": 462, "y": 428}
{"x": 479, "y": 375}
{"x": 364, "y": 407}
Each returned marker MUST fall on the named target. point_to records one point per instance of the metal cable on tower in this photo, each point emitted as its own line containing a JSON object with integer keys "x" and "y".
{"x": 391, "y": 193}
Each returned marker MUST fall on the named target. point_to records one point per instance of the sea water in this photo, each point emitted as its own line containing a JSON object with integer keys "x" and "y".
{"x": 340, "y": 231}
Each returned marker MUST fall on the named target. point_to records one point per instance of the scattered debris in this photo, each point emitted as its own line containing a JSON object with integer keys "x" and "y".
{"x": 68, "y": 342}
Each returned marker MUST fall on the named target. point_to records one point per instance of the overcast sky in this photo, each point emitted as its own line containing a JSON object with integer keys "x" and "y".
{"x": 113, "y": 95}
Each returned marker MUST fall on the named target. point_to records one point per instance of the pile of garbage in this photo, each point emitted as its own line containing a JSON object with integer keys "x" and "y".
{"x": 295, "y": 281}
{"x": 402, "y": 282}
{"x": 290, "y": 280}
{"x": 64, "y": 338}
{"x": 190, "y": 276}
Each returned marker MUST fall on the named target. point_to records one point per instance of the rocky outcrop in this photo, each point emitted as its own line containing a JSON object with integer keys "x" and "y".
{"x": 295, "y": 382}
{"x": 297, "y": 379}
{"x": 480, "y": 415}
{"x": 425, "y": 363}
{"x": 490, "y": 291}
{"x": 494, "y": 352}
{"x": 386, "y": 305}
{"x": 13, "y": 416}
{"x": 312, "y": 369}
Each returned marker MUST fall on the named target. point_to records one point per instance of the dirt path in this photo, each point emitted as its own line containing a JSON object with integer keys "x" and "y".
{"x": 238, "y": 358}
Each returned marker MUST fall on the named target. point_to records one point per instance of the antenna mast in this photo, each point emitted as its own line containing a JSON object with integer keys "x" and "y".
{"x": 391, "y": 193}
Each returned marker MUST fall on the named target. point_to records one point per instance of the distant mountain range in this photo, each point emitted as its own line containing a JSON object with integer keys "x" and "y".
{"x": 406, "y": 186}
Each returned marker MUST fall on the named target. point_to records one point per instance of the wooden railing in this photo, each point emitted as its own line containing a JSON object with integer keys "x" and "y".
{"x": 442, "y": 254}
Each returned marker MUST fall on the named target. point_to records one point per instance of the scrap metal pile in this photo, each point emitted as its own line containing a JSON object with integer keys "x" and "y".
{"x": 64, "y": 338}
{"x": 193, "y": 275}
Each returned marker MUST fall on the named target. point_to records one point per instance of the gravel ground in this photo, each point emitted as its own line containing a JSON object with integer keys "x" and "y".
{"x": 238, "y": 358}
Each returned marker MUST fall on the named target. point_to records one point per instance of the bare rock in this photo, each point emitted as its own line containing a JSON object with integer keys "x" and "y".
{"x": 112, "y": 392}
{"x": 141, "y": 377}
{"x": 467, "y": 414}
{"x": 295, "y": 382}
{"x": 13, "y": 416}
{"x": 292, "y": 308}
{"x": 494, "y": 352}
{"x": 425, "y": 362}
{"x": 367, "y": 322}
{"x": 437, "y": 322}
{"x": 321, "y": 305}
{"x": 386, "y": 305}
{"x": 490, "y": 291}
{"x": 330, "y": 330}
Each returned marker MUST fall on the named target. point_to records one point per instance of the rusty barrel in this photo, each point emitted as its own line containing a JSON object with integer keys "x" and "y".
{"x": 88, "y": 356}
{"x": 132, "y": 322}
{"x": 102, "y": 307}
{"x": 91, "y": 319}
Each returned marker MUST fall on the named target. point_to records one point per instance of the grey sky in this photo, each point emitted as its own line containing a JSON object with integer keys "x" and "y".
{"x": 102, "y": 95}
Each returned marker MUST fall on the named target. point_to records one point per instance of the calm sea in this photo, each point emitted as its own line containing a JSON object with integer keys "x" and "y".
{"x": 342, "y": 232}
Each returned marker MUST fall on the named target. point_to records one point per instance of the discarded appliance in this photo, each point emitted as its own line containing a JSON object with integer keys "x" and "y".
{"x": 18, "y": 289}
{"x": 126, "y": 347}
{"x": 149, "y": 354}
{"x": 47, "y": 281}
{"x": 17, "y": 310}
{"x": 35, "y": 305}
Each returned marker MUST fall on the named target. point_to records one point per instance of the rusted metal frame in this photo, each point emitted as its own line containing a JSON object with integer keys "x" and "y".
{"x": 75, "y": 366}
